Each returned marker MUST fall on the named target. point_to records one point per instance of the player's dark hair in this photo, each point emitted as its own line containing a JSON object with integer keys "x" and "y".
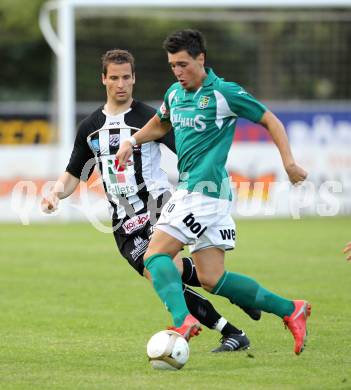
{"x": 190, "y": 40}
{"x": 117, "y": 56}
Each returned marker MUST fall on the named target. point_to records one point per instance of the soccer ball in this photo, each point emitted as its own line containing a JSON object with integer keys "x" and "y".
{"x": 167, "y": 350}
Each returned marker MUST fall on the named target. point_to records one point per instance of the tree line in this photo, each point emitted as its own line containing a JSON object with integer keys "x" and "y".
{"x": 275, "y": 58}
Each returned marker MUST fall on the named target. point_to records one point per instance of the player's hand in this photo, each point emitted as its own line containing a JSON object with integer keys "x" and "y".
{"x": 50, "y": 203}
{"x": 124, "y": 152}
{"x": 347, "y": 251}
{"x": 296, "y": 174}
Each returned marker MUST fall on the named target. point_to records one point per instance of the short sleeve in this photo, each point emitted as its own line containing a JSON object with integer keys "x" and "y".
{"x": 164, "y": 112}
{"x": 242, "y": 104}
{"x": 80, "y": 156}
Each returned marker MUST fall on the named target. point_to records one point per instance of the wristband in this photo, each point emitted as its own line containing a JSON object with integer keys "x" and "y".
{"x": 132, "y": 140}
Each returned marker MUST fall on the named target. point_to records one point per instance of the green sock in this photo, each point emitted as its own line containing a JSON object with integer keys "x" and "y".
{"x": 168, "y": 285}
{"x": 246, "y": 292}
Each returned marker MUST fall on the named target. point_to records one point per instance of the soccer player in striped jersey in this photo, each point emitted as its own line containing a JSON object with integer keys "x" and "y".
{"x": 202, "y": 109}
{"x": 138, "y": 192}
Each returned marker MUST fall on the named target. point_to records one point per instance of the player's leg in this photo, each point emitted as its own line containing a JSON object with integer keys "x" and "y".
{"x": 196, "y": 218}
{"x": 246, "y": 292}
{"x": 233, "y": 339}
{"x": 158, "y": 260}
{"x": 187, "y": 269}
{"x": 202, "y": 309}
{"x": 238, "y": 288}
{"x": 170, "y": 230}
{"x": 132, "y": 247}
{"x": 164, "y": 274}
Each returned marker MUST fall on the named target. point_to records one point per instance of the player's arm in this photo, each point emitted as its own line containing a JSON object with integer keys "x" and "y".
{"x": 80, "y": 167}
{"x": 153, "y": 130}
{"x": 277, "y": 131}
{"x": 64, "y": 187}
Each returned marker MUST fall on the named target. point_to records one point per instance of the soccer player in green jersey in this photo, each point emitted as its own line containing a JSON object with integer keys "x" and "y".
{"x": 203, "y": 109}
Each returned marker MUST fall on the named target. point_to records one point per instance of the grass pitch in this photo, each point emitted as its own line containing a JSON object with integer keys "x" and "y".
{"x": 74, "y": 315}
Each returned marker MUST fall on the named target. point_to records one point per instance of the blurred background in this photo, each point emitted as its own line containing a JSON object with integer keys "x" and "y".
{"x": 296, "y": 60}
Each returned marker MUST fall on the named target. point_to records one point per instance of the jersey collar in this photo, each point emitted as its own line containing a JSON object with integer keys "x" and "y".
{"x": 131, "y": 107}
{"x": 211, "y": 76}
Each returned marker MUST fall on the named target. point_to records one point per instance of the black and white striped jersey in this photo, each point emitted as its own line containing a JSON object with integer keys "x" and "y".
{"x": 97, "y": 142}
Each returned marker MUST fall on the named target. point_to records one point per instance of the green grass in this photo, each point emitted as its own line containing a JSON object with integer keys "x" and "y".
{"x": 74, "y": 315}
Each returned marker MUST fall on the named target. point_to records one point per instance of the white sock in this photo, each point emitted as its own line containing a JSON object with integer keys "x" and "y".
{"x": 221, "y": 323}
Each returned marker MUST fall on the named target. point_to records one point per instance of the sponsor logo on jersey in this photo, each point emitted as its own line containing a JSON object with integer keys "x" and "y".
{"x": 114, "y": 139}
{"x": 114, "y": 123}
{"x": 116, "y": 172}
{"x": 227, "y": 234}
{"x": 95, "y": 145}
{"x": 194, "y": 227}
{"x": 164, "y": 111}
{"x": 203, "y": 101}
{"x": 118, "y": 182}
{"x": 197, "y": 123}
{"x": 140, "y": 247}
{"x": 120, "y": 189}
{"x": 136, "y": 223}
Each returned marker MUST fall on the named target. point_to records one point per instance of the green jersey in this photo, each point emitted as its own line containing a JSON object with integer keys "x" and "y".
{"x": 204, "y": 122}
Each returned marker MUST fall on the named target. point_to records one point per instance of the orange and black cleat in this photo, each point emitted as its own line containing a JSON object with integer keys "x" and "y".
{"x": 190, "y": 327}
{"x": 296, "y": 323}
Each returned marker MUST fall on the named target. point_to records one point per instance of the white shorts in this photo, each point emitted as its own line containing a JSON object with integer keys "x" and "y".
{"x": 198, "y": 220}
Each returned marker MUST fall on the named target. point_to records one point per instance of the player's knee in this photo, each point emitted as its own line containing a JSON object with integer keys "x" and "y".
{"x": 149, "y": 253}
{"x": 157, "y": 248}
{"x": 208, "y": 282}
{"x": 207, "y": 287}
{"x": 178, "y": 262}
{"x": 147, "y": 275}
